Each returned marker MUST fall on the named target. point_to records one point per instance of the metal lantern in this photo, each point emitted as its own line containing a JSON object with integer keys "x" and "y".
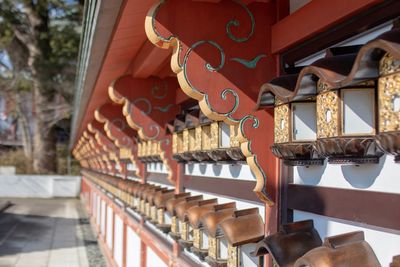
{"x": 188, "y": 144}
{"x": 206, "y": 213}
{"x": 194, "y": 214}
{"x": 185, "y": 229}
{"x": 219, "y": 141}
{"x": 295, "y": 126}
{"x": 171, "y": 205}
{"x": 346, "y": 124}
{"x": 388, "y": 137}
{"x": 217, "y": 245}
{"x": 235, "y": 152}
{"x": 177, "y": 146}
{"x": 163, "y": 221}
{"x": 202, "y": 139}
{"x": 241, "y": 238}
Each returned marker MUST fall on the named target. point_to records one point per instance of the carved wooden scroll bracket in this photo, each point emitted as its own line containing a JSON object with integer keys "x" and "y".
{"x": 118, "y": 131}
{"x": 223, "y": 68}
{"x": 95, "y": 150}
{"x": 148, "y": 104}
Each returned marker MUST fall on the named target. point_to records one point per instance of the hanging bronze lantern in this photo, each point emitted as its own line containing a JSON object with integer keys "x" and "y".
{"x": 219, "y": 142}
{"x": 160, "y": 200}
{"x": 295, "y": 133}
{"x": 346, "y": 250}
{"x": 217, "y": 244}
{"x": 171, "y": 212}
{"x": 200, "y": 237}
{"x": 346, "y": 124}
{"x": 185, "y": 229}
{"x": 234, "y": 151}
{"x": 241, "y": 238}
{"x": 202, "y": 139}
{"x": 295, "y": 119}
{"x": 291, "y": 242}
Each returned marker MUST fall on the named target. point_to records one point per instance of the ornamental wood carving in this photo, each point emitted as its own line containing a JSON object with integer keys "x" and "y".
{"x": 148, "y": 105}
{"x": 110, "y": 150}
{"x": 118, "y": 131}
{"x": 95, "y": 149}
{"x": 221, "y": 55}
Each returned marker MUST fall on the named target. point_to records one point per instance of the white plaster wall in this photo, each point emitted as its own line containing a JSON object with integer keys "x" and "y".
{"x": 160, "y": 184}
{"x": 98, "y": 212}
{"x": 118, "y": 240}
{"x": 248, "y": 261}
{"x": 7, "y": 170}
{"x": 39, "y": 186}
{"x": 240, "y": 204}
{"x": 375, "y": 177}
{"x": 385, "y": 243}
{"x": 133, "y": 249}
{"x": 232, "y": 171}
{"x": 152, "y": 259}
{"x": 109, "y": 234}
{"x": 103, "y": 217}
{"x": 94, "y": 206}
{"x": 131, "y": 167}
{"x": 156, "y": 167}
{"x": 380, "y": 177}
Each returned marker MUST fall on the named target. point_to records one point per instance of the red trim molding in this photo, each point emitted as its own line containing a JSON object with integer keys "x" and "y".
{"x": 312, "y": 19}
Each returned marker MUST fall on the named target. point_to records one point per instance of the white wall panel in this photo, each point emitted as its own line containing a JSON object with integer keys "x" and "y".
{"x": 152, "y": 259}
{"x": 109, "y": 235}
{"x": 133, "y": 249}
{"x": 39, "y": 186}
{"x": 94, "y": 205}
{"x": 239, "y": 204}
{"x": 384, "y": 243}
{"x": 375, "y": 177}
{"x": 236, "y": 171}
{"x": 98, "y": 210}
{"x": 369, "y": 177}
{"x": 156, "y": 167}
{"x": 118, "y": 240}
{"x": 103, "y": 217}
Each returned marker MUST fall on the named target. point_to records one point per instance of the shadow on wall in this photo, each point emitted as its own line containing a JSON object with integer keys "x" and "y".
{"x": 312, "y": 175}
{"x": 358, "y": 176}
{"x": 217, "y": 169}
{"x": 364, "y": 176}
{"x": 235, "y": 170}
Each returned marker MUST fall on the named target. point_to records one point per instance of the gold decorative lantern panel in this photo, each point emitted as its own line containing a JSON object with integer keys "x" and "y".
{"x": 149, "y": 151}
{"x": 206, "y": 141}
{"x": 388, "y": 137}
{"x": 346, "y": 124}
{"x": 295, "y": 133}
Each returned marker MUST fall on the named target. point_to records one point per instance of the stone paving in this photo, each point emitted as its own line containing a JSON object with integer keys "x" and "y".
{"x": 47, "y": 232}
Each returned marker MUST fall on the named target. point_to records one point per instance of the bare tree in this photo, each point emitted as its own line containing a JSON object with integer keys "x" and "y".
{"x": 40, "y": 39}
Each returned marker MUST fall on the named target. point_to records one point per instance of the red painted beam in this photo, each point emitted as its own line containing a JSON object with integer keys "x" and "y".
{"x": 312, "y": 19}
{"x": 149, "y": 60}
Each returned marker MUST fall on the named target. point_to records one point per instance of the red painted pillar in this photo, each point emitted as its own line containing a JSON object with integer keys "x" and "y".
{"x": 124, "y": 240}
{"x": 124, "y": 169}
{"x": 113, "y": 235}
{"x": 143, "y": 254}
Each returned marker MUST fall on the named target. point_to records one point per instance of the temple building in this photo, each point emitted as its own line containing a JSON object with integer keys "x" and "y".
{"x": 241, "y": 133}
